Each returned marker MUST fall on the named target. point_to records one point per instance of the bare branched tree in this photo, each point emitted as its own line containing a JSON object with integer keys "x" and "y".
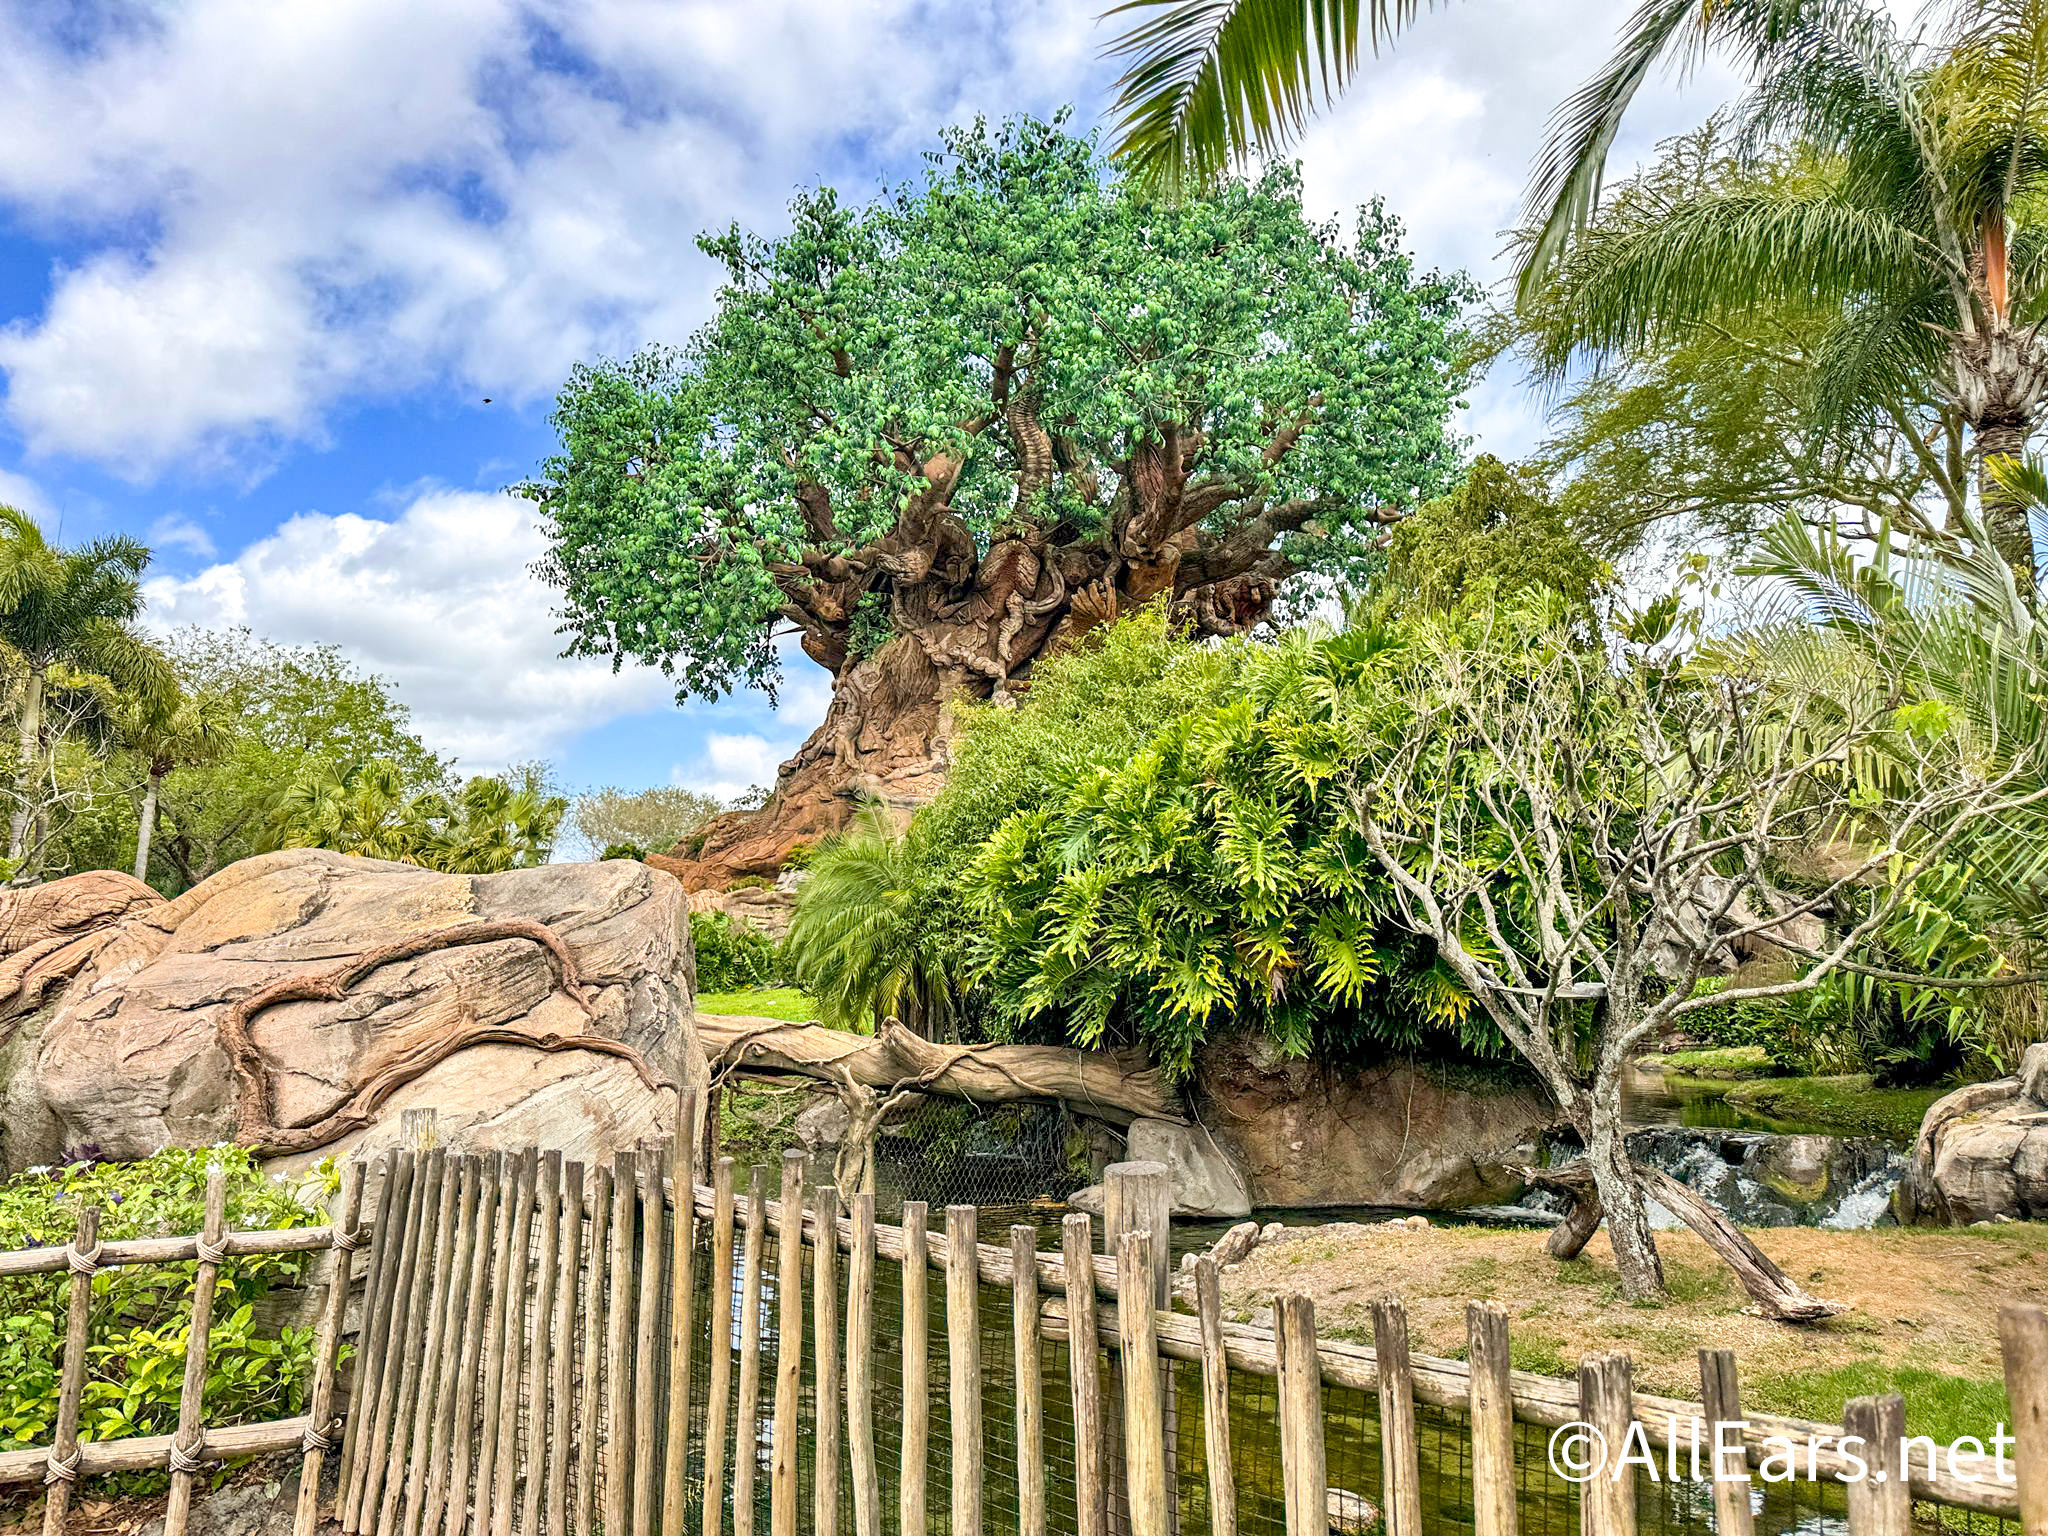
{"x": 1587, "y": 835}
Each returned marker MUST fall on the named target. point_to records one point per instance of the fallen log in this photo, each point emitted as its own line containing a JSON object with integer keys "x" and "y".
{"x": 1776, "y": 1294}
{"x": 1118, "y": 1086}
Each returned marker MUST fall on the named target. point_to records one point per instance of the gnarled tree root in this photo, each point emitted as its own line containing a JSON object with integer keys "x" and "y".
{"x": 1776, "y": 1294}
{"x": 257, "y": 1127}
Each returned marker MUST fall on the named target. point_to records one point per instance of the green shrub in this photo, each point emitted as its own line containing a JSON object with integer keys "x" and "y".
{"x": 732, "y": 954}
{"x": 623, "y": 851}
{"x": 141, "y": 1315}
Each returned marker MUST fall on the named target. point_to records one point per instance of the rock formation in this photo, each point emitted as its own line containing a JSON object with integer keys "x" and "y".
{"x": 1395, "y": 1134}
{"x": 1982, "y": 1152}
{"x": 297, "y": 1001}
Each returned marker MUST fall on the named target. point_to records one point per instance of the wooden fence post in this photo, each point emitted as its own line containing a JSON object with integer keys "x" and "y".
{"x": 647, "y": 1488}
{"x": 1216, "y": 1399}
{"x": 345, "y": 1214}
{"x": 82, "y": 1260}
{"x": 1077, "y": 1242}
{"x": 963, "y": 1358}
{"x": 1728, "y": 1464}
{"x": 860, "y": 1366}
{"x": 562, "y": 1372}
{"x": 1491, "y": 1403}
{"x": 459, "y": 1324}
{"x": 789, "y": 1346}
{"x": 1401, "y": 1473}
{"x": 2023, "y": 1341}
{"x": 501, "y": 1418}
{"x": 618, "y": 1345}
{"x": 387, "y": 1477}
{"x": 916, "y": 1377}
{"x": 1030, "y": 1387}
{"x": 458, "y": 1178}
{"x": 1304, "y": 1471}
{"x": 494, "y": 1189}
{"x": 682, "y": 1329}
{"x": 1881, "y": 1501}
{"x": 746, "y": 1450}
{"x": 1136, "y": 1197}
{"x": 540, "y": 1357}
{"x": 719, "y": 1305}
{"x": 825, "y": 1336}
{"x": 596, "y": 1288}
{"x": 398, "y": 1219}
{"x": 188, "y": 1444}
{"x": 1607, "y": 1497}
{"x": 1144, "y": 1411}
{"x": 392, "y": 1173}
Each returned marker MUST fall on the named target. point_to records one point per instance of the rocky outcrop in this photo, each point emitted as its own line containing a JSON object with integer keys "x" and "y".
{"x": 298, "y": 1001}
{"x": 768, "y": 910}
{"x": 1982, "y": 1152}
{"x": 1207, "y": 1183}
{"x": 1395, "y": 1134}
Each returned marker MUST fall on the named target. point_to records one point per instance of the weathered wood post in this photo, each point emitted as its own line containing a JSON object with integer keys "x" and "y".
{"x": 562, "y": 1374}
{"x": 512, "y": 1342}
{"x": 1492, "y": 1408}
{"x": 2023, "y": 1341}
{"x": 1030, "y": 1388}
{"x": 540, "y": 1361}
{"x": 963, "y": 1356}
{"x": 718, "y": 1397}
{"x": 1137, "y": 1197}
{"x": 399, "y": 1211}
{"x": 916, "y": 1367}
{"x": 1077, "y": 1246}
{"x": 392, "y": 1171}
{"x": 344, "y": 1214}
{"x": 1216, "y": 1400}
{"x": 747, "y": 1413}
{"x": 83, "y": 1260}
{"x": 825, "y": 1353}
{"x": 860, "y": 1370}
{"x": 1401, "y": 1473}
{"x": 591, "y": 1371}
{"x": 618, "y": 1349}
{"x": 1145, "y": 1468}
{"x": 492, "y": 1192}
{"x": 1607, "y": 1402}
{"x": 1728, "y": 1464}
{"x": 682, "y": 1323}
{"x": 428, "y": 1437}
{"x": 647, "y": 1340}
{"x": 188, "y": 1444}
{"x": 1304, "y": 1471}
{"x": 1881, "y": 1501}
{"x": 789, "y": 1345}
{"x": 395, "y": 1426}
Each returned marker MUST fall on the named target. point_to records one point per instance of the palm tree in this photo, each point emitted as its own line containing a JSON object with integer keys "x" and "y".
{"x": 73, "y": 608}
{"x": 1890, "y": 184}
{"x": 165, "y": 734}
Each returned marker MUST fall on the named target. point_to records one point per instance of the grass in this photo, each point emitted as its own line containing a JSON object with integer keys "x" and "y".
{"x": 1718, "y": 1061}
{"x": 1847, "y": 1104}
{"x": 791, "y": 1003}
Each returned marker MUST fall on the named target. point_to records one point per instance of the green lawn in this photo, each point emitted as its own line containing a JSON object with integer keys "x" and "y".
{"x": 1718, "y": 1061}
{"x": 790, "y": 1003}
{"x": 1847, "y": 1104}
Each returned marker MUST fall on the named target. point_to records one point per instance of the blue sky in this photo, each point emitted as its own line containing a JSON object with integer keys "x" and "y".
{"x": 262, "y": 265}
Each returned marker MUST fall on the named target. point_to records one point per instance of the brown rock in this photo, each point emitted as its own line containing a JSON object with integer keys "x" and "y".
{"x": 1981, "y": 1155}
{"x": 1389, "y": 1135}
{"x": 138, "y": 1052}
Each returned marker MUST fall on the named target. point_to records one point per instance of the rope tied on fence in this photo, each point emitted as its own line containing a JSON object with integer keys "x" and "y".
{"x": 83, "y": 1261}
{"x": 62, "y": 1469}
{"x": 347, "y": 1240}
{"x": 327, "y": 1439}
{"x": 212, "y": 1253}
{"x": 189, "y": 1462}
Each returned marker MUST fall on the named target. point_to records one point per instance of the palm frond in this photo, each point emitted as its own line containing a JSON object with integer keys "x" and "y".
{"x": 1211, "y": 83}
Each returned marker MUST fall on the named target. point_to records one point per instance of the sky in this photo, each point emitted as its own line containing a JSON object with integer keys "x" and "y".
{"x": 287, "y": 290}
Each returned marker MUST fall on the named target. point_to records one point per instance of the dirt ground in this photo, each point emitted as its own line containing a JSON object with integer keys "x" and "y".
{"x": 1923, "y": 1307}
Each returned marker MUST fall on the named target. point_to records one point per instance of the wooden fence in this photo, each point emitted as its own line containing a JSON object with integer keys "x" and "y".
{"x": 193, "y": 1448}
{"x": 531, "y": 1362}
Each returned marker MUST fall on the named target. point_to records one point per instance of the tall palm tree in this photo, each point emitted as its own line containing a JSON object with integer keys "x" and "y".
{"x": 1892, "y": 183}
{"x": 73, "y": 608}
{"x": 165, "y": 734}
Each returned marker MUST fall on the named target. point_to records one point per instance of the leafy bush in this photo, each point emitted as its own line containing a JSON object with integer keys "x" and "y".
{"x": 733, "y": 954}
{"x": 623, "y": 851}
{"x": 141, "y": 1315}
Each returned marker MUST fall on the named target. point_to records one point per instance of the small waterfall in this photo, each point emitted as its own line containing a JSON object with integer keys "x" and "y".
{"x": 1765, "y": 1180}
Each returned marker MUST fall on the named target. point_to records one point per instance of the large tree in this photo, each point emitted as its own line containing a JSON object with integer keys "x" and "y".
{"x": 932, "y": 436}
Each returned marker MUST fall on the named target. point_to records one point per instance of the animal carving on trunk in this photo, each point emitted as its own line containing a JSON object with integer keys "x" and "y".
{"x": 931, "y": 438}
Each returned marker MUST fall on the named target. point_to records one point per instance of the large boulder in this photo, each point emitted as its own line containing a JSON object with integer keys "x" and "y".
{"x": 298, "y": 1001}
{"x": 1397, "y": 1134}
{"x": 1207, "y": 1182}
{"x": 1982, "y": 1152}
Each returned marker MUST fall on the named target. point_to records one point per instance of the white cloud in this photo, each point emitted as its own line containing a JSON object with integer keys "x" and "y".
{"x": 438, "y": 599}
{"x": 729, "y": 763}
{"x": 23, "y": 494}
{"x": 175, "y": 531}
